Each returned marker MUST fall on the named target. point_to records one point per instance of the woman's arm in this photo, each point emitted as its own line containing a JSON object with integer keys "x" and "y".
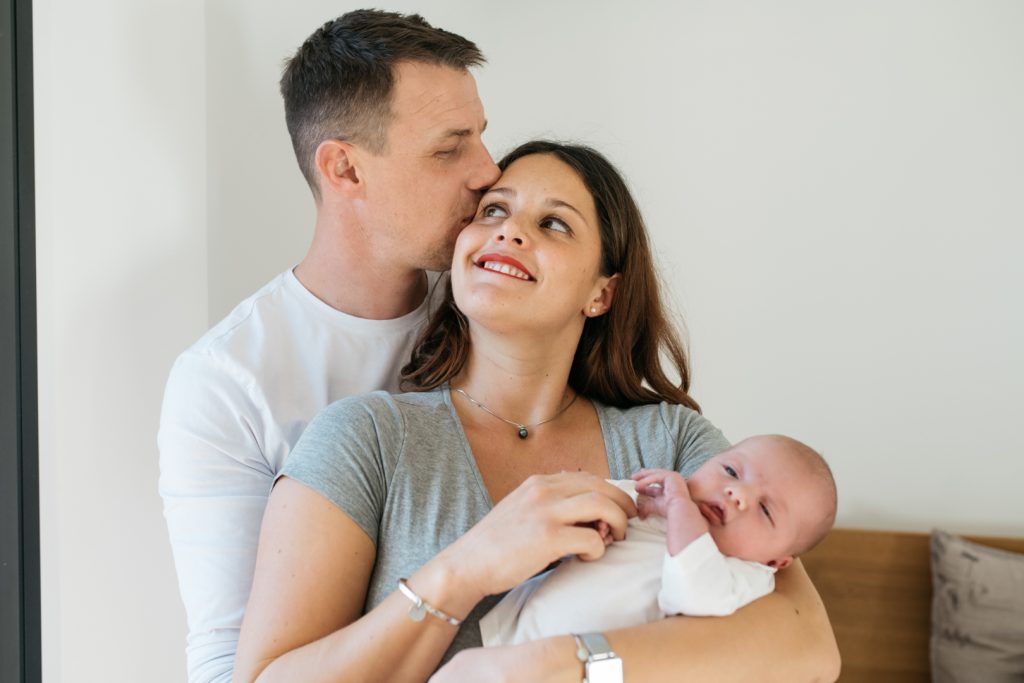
{"x": 784, "y": 636}
{"x": 303, "y": 619}
{"x": 314, "y": 563}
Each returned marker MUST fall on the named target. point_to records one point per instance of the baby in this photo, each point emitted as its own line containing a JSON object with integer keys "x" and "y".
{"x": 705, "y": 546}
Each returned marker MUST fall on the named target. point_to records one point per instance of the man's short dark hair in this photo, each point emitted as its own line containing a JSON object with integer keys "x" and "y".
{"x": 338, "y": 85}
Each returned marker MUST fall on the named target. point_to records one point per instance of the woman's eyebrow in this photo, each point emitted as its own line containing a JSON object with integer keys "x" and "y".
{"x": 559, "y": 204}
{"x": 551, "y": 201}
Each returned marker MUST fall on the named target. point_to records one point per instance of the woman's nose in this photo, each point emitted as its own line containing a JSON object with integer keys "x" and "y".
{"x": 737, "y": 496}
{"x": 511, "y": 232}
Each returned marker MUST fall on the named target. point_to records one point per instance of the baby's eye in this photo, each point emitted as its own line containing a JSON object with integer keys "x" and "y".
{"x": 731, "y": 472}
{"x": 552, "y": 223}
{"x": 767, "y": 513}
{"x": 494, "y": 211}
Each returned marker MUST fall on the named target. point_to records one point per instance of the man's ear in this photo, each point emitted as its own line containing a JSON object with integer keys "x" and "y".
{"x": 337, "y": 165}
{"x": 603, "y": 296}
{"x": 781, "y": 563}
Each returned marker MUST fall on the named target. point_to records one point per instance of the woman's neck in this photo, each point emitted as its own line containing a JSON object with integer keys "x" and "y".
{"x": 522, "y": 380}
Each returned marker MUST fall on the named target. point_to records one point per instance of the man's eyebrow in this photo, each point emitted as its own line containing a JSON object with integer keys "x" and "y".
{"x": 460, "y": 132}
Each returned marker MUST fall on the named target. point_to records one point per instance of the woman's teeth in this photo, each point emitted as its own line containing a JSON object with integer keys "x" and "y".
{"x": 505, "y": 269}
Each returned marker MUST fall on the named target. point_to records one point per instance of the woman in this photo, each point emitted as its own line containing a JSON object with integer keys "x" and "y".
{"x": 540, "y": 377}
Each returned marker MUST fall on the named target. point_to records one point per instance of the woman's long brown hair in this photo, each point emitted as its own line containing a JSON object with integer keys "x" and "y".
{"x": 619, "y": 360}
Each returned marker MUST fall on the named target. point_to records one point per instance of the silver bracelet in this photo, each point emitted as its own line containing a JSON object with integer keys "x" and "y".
{"x": 420, "y": 608}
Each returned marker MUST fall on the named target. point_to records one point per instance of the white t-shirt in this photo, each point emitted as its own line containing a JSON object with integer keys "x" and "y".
{"x": 635, "y": 582}
{"x": 235, "y": 404}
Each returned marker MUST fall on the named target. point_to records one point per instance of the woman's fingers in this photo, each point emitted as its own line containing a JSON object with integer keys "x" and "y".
{"x": 572, "y": 483}
{"x": 537, "y": 524}
{"x": 583, "y": 542}
{"x": 592, "y": 506}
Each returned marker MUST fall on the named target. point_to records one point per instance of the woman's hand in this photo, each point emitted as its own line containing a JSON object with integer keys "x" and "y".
{"x": 546, "y": 518}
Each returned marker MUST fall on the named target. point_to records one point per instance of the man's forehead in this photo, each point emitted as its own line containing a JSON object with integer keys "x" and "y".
{"x": 437, "y": 100}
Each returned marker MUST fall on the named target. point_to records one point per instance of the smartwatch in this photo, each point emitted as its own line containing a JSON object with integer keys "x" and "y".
{"x": 600, "y": 663}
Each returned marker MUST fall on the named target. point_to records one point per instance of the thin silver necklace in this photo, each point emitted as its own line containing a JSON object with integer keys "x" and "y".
{"x": 524, "y": 430}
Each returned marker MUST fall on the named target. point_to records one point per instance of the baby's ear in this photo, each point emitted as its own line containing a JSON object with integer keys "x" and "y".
{"x": 781, "y": 563}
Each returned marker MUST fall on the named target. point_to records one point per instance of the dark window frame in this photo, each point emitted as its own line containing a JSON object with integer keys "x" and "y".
{"x": 20, "y": 628}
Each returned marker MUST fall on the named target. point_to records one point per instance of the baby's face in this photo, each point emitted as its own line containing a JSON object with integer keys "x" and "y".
{"x": 759, "y": 501}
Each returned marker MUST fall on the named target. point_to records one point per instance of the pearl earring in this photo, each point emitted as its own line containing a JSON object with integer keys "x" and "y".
{"x": 593, "y": 309}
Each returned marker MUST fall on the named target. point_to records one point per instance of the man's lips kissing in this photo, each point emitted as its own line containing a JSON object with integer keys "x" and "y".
{"x": 505, "y": 265}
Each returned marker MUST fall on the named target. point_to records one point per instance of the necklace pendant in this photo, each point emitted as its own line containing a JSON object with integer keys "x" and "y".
{"x": 523, "y": 433}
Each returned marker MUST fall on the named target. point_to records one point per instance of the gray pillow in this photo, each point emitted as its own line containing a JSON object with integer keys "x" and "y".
{"x": 977, "y": 612}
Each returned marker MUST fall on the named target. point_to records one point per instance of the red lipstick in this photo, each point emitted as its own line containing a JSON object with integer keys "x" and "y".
{"x": 501, "y": 258}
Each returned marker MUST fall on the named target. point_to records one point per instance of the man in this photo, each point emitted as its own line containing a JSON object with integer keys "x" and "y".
{"x": 385, "y": 120}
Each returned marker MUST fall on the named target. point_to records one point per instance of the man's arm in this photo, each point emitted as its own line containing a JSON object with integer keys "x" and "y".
{"x": 214, "y": 481}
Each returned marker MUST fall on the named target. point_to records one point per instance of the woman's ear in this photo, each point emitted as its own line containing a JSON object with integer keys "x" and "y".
{"x": 337, "y": 166}
{"x": 604, "y": 294}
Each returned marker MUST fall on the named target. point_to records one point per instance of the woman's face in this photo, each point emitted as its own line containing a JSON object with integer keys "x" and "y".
{"x": 530, "y": 261}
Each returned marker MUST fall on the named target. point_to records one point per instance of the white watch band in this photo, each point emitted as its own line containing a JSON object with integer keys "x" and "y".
{"x": 600, "y": 663}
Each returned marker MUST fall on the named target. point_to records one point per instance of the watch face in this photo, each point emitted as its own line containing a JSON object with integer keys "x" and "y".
{"x": 605, "y": 671}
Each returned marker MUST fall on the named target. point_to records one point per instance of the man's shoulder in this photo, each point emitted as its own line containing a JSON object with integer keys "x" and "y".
{"x": 247, "y": 321}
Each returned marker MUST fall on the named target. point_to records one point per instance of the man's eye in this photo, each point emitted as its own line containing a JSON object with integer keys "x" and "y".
{"x": 556, "y": 224}
{"x": 445, "y": 153}
{"x": 731, "y": 472}
{"x": 494, "y": 211}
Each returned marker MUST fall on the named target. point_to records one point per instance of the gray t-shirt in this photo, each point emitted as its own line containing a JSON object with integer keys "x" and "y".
{"x": 401, "y": 468}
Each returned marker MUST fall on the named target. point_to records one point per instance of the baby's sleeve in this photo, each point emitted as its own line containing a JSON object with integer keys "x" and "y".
{"x": 700, "y": 581}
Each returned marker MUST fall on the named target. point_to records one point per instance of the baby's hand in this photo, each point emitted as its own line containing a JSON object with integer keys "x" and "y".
{"x": 670, "y": 498}
{"x": 661, "y": 489}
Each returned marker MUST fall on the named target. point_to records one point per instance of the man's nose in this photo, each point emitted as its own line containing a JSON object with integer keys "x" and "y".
{"x": 486, "y": 172}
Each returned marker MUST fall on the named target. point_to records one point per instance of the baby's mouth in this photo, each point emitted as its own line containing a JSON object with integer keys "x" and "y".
{"x": 712, "y": 513}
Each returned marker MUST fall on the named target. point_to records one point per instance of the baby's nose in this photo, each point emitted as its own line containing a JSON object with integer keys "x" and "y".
{"x": 736, "y": 495}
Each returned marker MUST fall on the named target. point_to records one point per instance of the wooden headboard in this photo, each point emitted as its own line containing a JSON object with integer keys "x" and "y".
{"x": 877, "y": 589}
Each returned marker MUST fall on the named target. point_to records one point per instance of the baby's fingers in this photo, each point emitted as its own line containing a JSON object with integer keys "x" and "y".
{"x": 652, "y": 473}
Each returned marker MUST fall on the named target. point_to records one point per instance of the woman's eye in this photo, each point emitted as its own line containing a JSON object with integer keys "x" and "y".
{"x": 493, "y": 211}
{"x": 555, "y": 224}
{"x": 731, "y": 472}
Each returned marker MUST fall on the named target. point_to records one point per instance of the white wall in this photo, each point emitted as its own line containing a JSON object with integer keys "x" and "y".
{"x": 121, "y": 185}
{"x": 834, "y": 190}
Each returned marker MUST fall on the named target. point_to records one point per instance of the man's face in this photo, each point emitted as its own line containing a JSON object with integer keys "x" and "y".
{"x": 424, "y": 188}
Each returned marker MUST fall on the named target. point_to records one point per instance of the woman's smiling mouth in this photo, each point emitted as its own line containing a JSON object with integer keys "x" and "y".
{"x": 505, "y": 265}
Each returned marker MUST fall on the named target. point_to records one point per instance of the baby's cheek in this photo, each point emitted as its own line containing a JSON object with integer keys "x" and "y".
{"x": 729, "y": 542}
